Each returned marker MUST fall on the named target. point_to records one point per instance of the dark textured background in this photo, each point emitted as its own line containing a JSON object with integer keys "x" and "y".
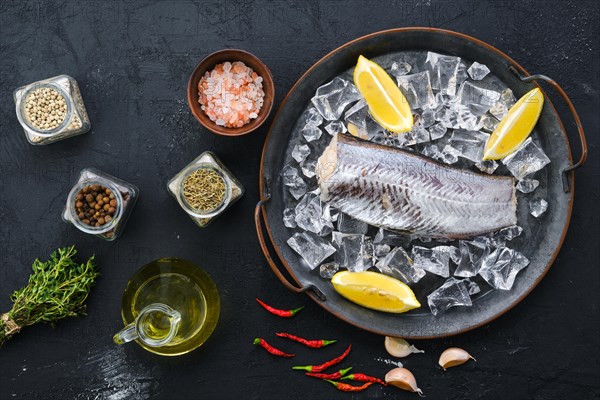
{"x": 132, "y": 61}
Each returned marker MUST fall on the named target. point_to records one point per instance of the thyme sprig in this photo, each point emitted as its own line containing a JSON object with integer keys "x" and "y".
{"x": 57, "y": 289}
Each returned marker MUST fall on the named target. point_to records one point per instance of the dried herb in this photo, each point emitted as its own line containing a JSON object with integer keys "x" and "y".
{"x": 57, "y": 289}
{"x": 204, "y": 189}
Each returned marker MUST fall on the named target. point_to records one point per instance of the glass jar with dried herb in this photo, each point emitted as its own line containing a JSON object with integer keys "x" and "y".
{"x": 51, "y": 110}
{"x": 100, "y": 204}
{"x": 205, "y": 188}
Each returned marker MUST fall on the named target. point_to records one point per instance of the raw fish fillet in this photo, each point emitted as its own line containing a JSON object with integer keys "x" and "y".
{"x": 404, "y": 191}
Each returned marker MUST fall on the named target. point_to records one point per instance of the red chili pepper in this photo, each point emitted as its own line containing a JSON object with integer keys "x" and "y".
{"x": 315, "y": 344}
{"x": 325, "y": 365}
{"x": 335, "y": 375}
{"x": 364, "y": 378}
{"x": 276, "y": 311}
{"x": 344, "y": 387}
{"x": 271, "y": 349}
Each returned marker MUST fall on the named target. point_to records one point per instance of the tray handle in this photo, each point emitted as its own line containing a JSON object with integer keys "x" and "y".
{"x": 263, "y": 245}
{"x": 561, "y": 92}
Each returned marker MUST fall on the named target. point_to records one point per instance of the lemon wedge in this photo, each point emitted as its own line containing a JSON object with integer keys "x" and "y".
{"x": 376, "y": 291}
{"x": 387, "y": 104}
{"x": 515, "y": 127}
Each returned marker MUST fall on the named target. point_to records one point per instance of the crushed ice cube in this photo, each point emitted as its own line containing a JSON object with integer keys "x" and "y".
{"x": 449, "y": 155}
{"x": 289, "y": 217}
{"x": 418, "y": 134}
{"x": 527, "y": 185}
{"x": 293, "y": 181}
{"x": 507, "y": 98}
{"x": 489, "y": 123}
{"x": 312, "y": 248}
{"x": 347, "y": 224}
{"x": 399, "y": 265}
{"x": 392, "y": 238}
{"x": 311, "y": 132}
{"x": 499, "y": 111}
{"x": 314, "y": 216}
{"x": 300, "y": 152}
{"x": 448, "y": 117}
{"x": 499, "y": 238}
{"x": 328, "y": 270}
{"x": 335, "y": 127}
{"x": 500, "y": 268}
{"x": 309, "y": 168}
{"x": 467, "y": 120}
{"x": 400, "y": 68}
{"x": 435, "y": 260}
{"x": 375, "y": 132}
{"x": 478, "y": 71}
{"x": 472, "y": 254}
{"x": 312, "y": 117}
{"x": 381, "y": 250}
{"x": 443, "y": 100}
{"x": 469, "y": 144}
{"x": 452, "y": 251}
{"x": 445, "y": 74}
{"x": 537, "y": 207}
{"x": 417, "y": 89}
{"x": 477, "y": 98}
{"x": 510, "y": 232}
{"x": 404, "y": 139}
{"x": 487, "y": 166}
{"x": 332, "y": 98}
{"x": 431, "y": 150}
{"x": 437, "y": 131}
{"x": 355, "y": 252}
{"x": 427, "y": 118}
{"x": 472, "y": 286}
{"x": 452, "y": 293}
{"x": 528, "y": 159}
{"x": 358, "y": 115}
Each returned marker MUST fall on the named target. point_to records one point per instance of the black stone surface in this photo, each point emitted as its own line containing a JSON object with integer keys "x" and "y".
{"x": 132, "y": 62}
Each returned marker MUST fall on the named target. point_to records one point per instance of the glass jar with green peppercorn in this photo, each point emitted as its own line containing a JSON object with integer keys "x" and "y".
{"x": 205, "y": 188}
{"x": 100, "y": 204}
{"x": 51, "y": 110}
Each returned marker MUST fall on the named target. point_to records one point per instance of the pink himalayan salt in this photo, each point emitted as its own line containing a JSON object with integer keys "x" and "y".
{"x": 231, "y": 94}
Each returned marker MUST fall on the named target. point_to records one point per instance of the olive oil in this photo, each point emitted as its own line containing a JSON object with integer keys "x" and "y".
{"x": 182, "y": 286}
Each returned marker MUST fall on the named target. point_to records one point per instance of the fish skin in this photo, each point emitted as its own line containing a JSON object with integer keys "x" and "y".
{"x": 404, "y": 191}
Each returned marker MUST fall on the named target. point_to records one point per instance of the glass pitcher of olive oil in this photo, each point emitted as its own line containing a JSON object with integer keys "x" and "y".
{"x": 170, "y": 307}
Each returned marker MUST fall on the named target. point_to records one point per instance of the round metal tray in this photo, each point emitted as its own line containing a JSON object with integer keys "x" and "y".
{"x": 543, "y": 238}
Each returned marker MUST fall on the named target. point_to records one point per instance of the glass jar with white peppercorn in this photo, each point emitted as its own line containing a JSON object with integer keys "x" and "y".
{"x": 205, "y": 188}
{"x": 51, "y": 110}
{"x": 100, "y": 204}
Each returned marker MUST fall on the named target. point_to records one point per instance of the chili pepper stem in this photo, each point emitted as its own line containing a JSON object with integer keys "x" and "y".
{"x": 256, "y": 341}
{"x": 345, "y": 371}
{"x": 303, "y": 367}
{"x": 296, "y": 310}
{"x": 328, "y": 342}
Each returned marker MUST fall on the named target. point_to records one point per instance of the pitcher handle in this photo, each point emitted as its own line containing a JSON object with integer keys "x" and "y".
{"x": 135, "y": 330}
{"x": 126, "y": 334}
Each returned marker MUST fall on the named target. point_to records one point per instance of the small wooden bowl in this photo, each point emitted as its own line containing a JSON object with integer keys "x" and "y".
{"x": 208, "y": 64}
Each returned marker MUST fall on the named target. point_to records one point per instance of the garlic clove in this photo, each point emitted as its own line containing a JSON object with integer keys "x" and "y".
{"x": 454, "y": 356}
{"x": 399, "y": 347}
{"x": 403, "y": 379}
